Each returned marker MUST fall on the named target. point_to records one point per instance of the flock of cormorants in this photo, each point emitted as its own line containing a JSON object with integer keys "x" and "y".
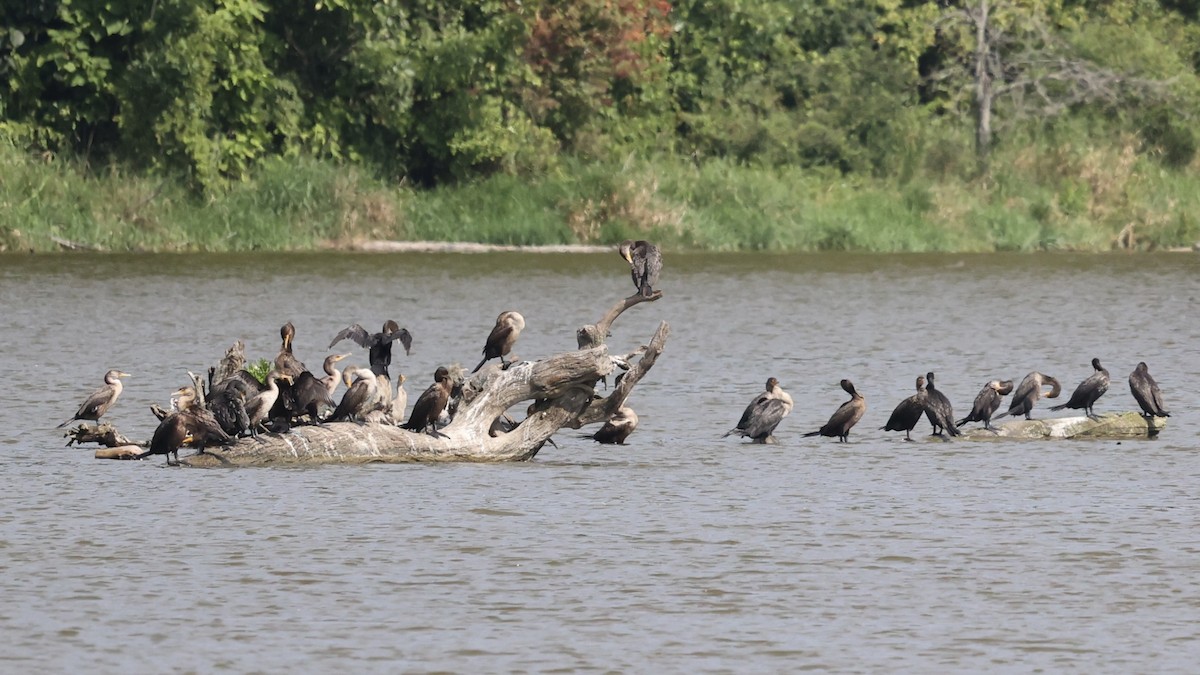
{"x": 241, "y": 405}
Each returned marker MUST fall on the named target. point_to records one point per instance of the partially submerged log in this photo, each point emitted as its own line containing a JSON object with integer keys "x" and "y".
{"x": 105, "y": 434}
{"x": 1112, "y": 425}
{"x": 562, "y": 388}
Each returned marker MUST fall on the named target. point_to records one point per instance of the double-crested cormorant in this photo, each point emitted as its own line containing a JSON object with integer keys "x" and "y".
{"x": 379, "y": 344}
{"x": 987, "y": 402}
{"x": 431, "y": 403}
{"x": 845, "y": 417}
{"x": 1028, "y": 392}
{"x": 259, "y": 407}
{"x": 764, "y": 413}
{"x": 645, "y": 263}
{"x": 618, "y": 427}
{"x": 1146, "y": 391}
{"x": 938, "y": 409}
{"x": 205, "y": 427}
{"x": 399, "y": 400}
{"x": 285, "y": 361}
{"x": 361, "y": 397}
{"x": 332, "y": 374}
{"x": 908, "y": 412}
{"x": 173, "y": 432}
{"x": 1088, "y": 391}
{"x": 500, "y": 341}
{"x": 228, "y": 404}
{"x": 98, "y": 403}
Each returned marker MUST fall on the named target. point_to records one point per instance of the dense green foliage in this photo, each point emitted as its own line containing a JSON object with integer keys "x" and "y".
{"x": 243, "y": 124}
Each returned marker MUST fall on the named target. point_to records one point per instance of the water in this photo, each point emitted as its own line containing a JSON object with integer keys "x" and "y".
{"x": 681, "y": 552}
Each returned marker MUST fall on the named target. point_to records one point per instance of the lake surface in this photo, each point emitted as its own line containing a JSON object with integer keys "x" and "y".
{"x": 681, "y": 552}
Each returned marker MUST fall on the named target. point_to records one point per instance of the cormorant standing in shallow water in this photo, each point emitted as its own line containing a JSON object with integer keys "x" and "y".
{"x": 1028, "y": 392}
{"x": 1088, "y": 391}
{"x": 379, "y": 344}
{"x": 98, "y": 403}
{"x": 908, "y": 412}
{"x": 987, "y": 402}
{"x": 1146, "y": 391}
{"x": 431, "y": 403}
{"x": 938, "y": 409}
{"x": 617, "y": 428}
{"x": 500, "y": 341}
{"x": 845, "y": 417}
{"x": 764, "y": 413}
{"x": 645, "y": 263}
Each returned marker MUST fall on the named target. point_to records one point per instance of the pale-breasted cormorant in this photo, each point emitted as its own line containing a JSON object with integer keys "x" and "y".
{"x": 500, "y": 341}
{"x": 361, "y": 397}
{"x": 987, "y": 402}
{"x": 908, "y": 412}
{"x": 618, "y": 427}
{"x": 764, "y": 413}
{"x": 98, "y": 403}
{"x": 379, "y": 344}
{"x": 1028, "y": 392}
{"x": 645, "y": 263}
{"x": 1088, "y": 391}
{"x": 259, "y": 407}
{"x": 1146, "y": 391}
{"x": 431, "y": 403}
{"x": 845, "y": 417}
{"x": 938, "y": 409}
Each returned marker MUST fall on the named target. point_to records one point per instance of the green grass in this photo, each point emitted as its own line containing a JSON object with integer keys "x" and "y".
{"x": 1036, "y": 198}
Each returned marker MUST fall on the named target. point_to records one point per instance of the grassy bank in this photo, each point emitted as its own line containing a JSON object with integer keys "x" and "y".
{"x": 1090, "y": 198}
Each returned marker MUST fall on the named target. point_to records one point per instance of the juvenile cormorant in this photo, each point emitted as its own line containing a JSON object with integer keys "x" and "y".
{"x": 645, "y": 263}
{"x": 908, "y": 412}
{"x": 1028, "y": 392}
{"x": 361, "y": 397}
{"x": 379, "y": 344}
{"x": 764, "y": 413}
{"x": 938, "y": 409}
{"x": 987, "y": 402}
{"x": 332, "y": 374}
{"x": 399, "y": 400}
{"x": 1088, "y": 391}
{"x": 1146, "y": 391}
{"x": 431, "y": 403}
{"x": 845, "y": 417}
{"x": 260, "y": 406}
{"x": 98, "y": 403}
{"x": 500, "y": 341}
{"x": 618, "y": 427}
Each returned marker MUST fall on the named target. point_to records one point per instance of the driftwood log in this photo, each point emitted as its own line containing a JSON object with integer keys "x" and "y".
{"x": 562, "y": 389}
{"x": 1112, "y": 425}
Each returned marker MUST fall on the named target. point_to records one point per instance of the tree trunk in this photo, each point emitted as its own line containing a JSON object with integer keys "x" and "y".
{"x": 983, "y": 89}
{"x": 1113, "y": 425}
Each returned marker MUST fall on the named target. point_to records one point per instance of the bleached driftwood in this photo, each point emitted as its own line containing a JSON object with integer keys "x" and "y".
{"x": 1112, "y": 425}
{"x": 562, "y": 388}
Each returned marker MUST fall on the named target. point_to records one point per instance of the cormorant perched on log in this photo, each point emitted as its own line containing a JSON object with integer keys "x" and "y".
{"x": 845, "y": 417}
{"x": 361, "y": 397}
{"x": 500, "y": 341}
{"x": 260, "y": 406}
{"x": 1146, "y": 391}
{"x": 332, "y": 374}
{"x": 1028, "y": 392}
{"x": 379, "y": 344}
{"x": 399, "y": 400}
{"x": 431, "y": 403}
{"x": 618, "y": 427}
{"x": 938, "y": 409}
{"x": 173, "y": 432}
{"x": 285, "y": 361}
{"x": 645, "y": 263}
{"x": 312, "y": 396}
{"x": 908, "y": 412}
{"x": 228, "y": 404}
{"x": 206, "y": 429}
{"x": 763, "y": 414}
{"x": 1088, "y": 391}
{"x": 987, "y": 402}
{"x": 98, "y": 403}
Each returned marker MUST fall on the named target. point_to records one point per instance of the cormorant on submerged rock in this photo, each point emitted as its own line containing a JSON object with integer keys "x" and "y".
{"x": 938, "y": 409}
{"x": 987, "y": 402}
{"x": 845, "y": 417}
{"x": 1028, "y": 392}
{"x": 1146, "y": 391}
{"x": 1088, "y": 391}
{"x": 908, "y": 412}
{"x": 763, "y": 414}
{"x": 618, "y": 427}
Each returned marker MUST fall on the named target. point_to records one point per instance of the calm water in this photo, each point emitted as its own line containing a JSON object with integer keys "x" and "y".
{"x": 681, "y": 552}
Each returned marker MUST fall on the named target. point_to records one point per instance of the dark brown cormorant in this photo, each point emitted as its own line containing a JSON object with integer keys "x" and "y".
{"x": 500, "y": 341}
{"x": 228, "y": 404}
{"x": 379, "y": 344}
{"x": 361, "y": 397}
{"x": 285, "y": 361}
{"x": 938, "y": 409}
{"x": 259, "y": 407}
{"x": 1088, "y": 391}
{"x": 645, "y": 263}
{"x": 1146, "y": 391}
{"x": 618, "y": 427}
{"x": 98, "y": 403}
{"x": 845, "y": 417}
{"x": 206, "y": 429}
{"x": 1028, "y": 392}
{"x": 173, "y": 432}
{"x": 763, "y": 414}
{"x": 431, "y": 403}
{"x": 908, "y": 412}
{"x": 987, "y": 402}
